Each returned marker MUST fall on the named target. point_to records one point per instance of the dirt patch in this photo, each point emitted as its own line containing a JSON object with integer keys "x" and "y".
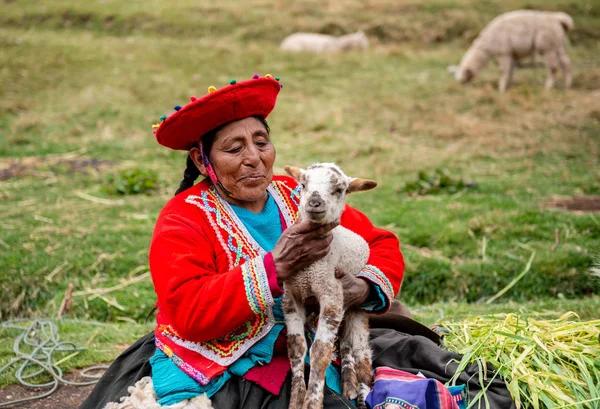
{"x": 586, "y": 204}
{"x": 35, "y": 166}
{"x": 65, "y": 397}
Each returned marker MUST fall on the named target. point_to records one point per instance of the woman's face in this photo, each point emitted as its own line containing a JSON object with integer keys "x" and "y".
{"x": 242, "y": 156}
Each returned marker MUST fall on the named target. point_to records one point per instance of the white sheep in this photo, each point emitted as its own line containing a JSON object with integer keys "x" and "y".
{"x": 322, "y": 43}
{"x": 322, "y": 200}
{"x": 142, "y": 396}
{"x": 515, "y": 35}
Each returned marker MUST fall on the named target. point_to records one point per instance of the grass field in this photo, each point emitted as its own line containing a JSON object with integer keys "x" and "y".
{"x": 81, "y": 83}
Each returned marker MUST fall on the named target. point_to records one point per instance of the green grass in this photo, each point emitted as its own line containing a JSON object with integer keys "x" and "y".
{"x": 84, "y": 81}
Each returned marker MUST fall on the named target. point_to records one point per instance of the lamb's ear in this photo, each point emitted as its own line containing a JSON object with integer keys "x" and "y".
{"x": 293, "y": 172}
{"x": 360, "y": 185}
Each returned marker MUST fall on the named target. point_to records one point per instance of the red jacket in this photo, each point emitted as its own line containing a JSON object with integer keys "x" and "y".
{"x": 215, "y": 285}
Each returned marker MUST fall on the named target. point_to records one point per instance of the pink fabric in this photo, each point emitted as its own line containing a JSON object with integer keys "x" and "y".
{"x": 276, "y": 289}
{"x": 271, "y": 376}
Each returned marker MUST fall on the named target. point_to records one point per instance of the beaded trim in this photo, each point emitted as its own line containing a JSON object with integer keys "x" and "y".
{"x": 185, "y": 367}
{"x": 376, "y": 276}
{"x": 287, "y": 200}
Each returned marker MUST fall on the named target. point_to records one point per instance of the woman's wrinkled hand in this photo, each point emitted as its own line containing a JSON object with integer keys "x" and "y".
{"x": 356, "y": 290}
{"x": 301, "y": 245}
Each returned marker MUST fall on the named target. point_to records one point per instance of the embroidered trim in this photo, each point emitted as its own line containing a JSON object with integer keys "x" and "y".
{"x": 395, "y": 403}
{"x": 209, "y": 211}
{"x": 241, "y": 249}
{"x": 376, "y": 276}
{"x": 287, "y": 200}
{"x": 256, "y": 282}
{"x": 185, "y": 367}
{"x": 240, "y": 227}
{"x": 225, "y": 352}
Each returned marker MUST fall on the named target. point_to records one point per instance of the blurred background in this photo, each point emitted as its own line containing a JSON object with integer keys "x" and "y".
{"x": 494, "y": 197}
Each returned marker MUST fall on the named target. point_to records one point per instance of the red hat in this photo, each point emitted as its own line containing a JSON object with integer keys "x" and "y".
{"x": 238, "y": 100}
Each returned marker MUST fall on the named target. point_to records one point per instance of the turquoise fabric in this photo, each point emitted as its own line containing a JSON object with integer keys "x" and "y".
{"x": 376, "y": 302}
{"x": 265, "y": 227}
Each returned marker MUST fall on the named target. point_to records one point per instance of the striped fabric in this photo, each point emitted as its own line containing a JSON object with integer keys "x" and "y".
{"x": 395, "y": 389}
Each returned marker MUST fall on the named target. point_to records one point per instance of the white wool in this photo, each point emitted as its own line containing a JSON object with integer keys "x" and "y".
{"x": 515, "y": 35}
{"x": 322, "y": 200}
{"x": 142, "y": 396}
{"x": 323, "y": 43}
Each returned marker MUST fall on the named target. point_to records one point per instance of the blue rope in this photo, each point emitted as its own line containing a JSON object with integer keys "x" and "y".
{"x": 42, "y": 339}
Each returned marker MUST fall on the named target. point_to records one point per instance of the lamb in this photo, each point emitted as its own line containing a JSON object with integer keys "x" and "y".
{"x": 324, "y": 189}
{"x": 322, "y": 43}
{"x": 515, "y": 35}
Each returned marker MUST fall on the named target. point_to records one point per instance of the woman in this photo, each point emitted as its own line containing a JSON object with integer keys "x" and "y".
{"x": 220, "y": 252}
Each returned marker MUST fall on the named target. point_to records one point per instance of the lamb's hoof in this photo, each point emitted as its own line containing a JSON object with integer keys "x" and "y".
{"x": 361, "y": 404}
{"x": 350, "y": 392}
{"x": 297, "y": 397}
{"x": 362, "y": 396}
{"x": 349, "y": 383}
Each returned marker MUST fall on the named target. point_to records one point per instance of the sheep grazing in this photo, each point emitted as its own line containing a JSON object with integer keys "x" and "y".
{"x": 322, "y": 200}
{"x": 322, "y": 43}
{"x": 518, "y": 34}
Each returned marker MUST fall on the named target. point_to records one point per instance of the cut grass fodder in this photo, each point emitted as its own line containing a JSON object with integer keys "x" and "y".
{"x": 546, "y": 363}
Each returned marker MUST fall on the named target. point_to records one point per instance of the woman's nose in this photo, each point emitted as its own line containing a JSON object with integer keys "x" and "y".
{"x": 251, "y": 156}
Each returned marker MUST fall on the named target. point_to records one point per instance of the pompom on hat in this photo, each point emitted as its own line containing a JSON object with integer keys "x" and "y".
{"x": 238, "y": 100}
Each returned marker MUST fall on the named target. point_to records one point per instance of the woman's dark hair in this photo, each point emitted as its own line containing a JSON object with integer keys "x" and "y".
{"x": 191, "y": 172}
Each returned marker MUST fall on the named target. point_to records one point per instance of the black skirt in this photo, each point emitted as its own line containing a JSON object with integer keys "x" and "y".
{"x": 396, "y": 340}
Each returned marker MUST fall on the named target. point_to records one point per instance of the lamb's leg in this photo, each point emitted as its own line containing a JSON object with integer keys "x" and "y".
{"x": 349, "y": 379}
{"x": 331, "y": 314}
{"x": 551, "y": 59}
{"x": 565, "y": 64}
{"x": 507, "y": 64}
{"x": 295, "y": 317}
{"x": 356, "y": 331}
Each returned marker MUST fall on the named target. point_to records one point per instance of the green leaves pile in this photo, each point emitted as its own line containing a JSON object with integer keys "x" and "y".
{"x": 439, "y": 182}
{"x": 545, "y": 363}
{"x": 132, "y": 181}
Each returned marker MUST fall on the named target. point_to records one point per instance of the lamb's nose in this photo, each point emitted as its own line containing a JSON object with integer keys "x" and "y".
{"x": 315, "y": 200}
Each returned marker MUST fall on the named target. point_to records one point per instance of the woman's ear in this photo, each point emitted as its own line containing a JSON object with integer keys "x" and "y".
{"x": 196, "y": 156}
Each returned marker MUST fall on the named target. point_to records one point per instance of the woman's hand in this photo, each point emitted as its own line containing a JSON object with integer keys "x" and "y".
{"x": 299, "y": 246}
{"x": 356, "y": 290}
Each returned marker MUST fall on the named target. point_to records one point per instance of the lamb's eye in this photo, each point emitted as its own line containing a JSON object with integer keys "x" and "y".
{"x": 338, "y": 192}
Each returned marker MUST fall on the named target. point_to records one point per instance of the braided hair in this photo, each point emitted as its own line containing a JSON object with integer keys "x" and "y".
{"x": 191, "y": 172}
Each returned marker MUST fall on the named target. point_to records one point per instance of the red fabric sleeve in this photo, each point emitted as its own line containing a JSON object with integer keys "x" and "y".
{"x": 200, "y": 303}
{"x": 385, "y": 267}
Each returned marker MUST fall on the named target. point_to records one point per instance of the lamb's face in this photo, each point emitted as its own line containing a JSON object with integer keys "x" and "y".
{"x": 323, "y": 193}
{"x": 464, "y": 75}
{"x": 324, "y": 190}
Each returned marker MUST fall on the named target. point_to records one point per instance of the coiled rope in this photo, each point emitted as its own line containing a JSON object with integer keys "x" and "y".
{"x": 34, "y": 348}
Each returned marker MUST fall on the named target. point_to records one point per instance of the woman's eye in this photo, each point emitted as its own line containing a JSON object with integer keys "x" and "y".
{"x": 233, "y": 150}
